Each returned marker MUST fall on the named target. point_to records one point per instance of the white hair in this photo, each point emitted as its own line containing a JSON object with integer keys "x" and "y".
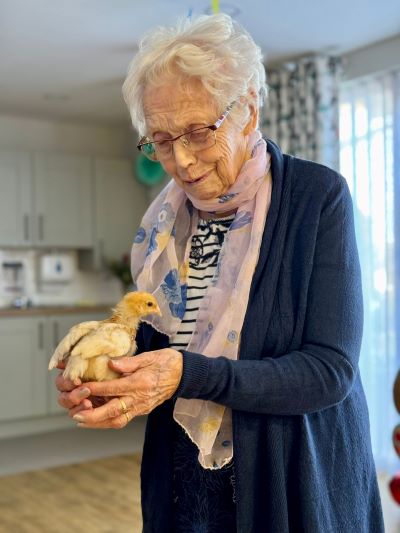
{"x": 213, "y": 49}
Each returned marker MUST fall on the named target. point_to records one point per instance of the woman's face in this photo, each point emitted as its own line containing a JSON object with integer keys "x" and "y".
{"x": 171, "y": 110}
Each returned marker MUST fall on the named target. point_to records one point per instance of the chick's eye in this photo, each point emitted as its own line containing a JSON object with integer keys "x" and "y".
{"x": 149, "y": 304}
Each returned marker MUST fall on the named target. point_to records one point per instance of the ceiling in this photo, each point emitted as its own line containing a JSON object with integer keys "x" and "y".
{"x": 67, "y": 58}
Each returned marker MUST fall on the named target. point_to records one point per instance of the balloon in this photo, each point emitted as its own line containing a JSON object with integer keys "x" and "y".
{"x": 394, "y": 486}
{"x": 148, "y": 172}
{"x": 396, "y": 392}
{"x": 396, "y": 439}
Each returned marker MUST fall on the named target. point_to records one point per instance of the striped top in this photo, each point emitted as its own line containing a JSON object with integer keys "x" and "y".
{"x": 204, "y": 500}
{"x": 203, "y": 259}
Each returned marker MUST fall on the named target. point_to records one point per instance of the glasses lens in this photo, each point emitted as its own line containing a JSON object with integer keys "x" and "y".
{"x": 164, "y": 148}
{"x": 201, "y": 139}
{"x": 149, "y": 151}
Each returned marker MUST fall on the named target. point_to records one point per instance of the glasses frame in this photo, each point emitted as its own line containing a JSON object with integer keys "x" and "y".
{"x": 144, "y": 141}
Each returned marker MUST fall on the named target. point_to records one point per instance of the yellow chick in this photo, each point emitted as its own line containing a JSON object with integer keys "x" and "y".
{"x": 88, "y": 346}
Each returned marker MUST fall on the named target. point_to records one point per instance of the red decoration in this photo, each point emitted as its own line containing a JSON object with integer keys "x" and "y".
{"x": 396, "y": 439}
{"x": 396, "y": 392}
{"x": 394, "y": 486}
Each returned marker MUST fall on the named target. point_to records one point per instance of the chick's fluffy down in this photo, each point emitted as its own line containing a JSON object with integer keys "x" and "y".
{"x": 88, "y": 347}
{"x": 76, "y": 333}
{"x": 113, "y": 340}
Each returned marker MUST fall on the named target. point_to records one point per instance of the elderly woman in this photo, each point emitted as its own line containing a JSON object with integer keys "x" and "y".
{"x": 257, "y": 417}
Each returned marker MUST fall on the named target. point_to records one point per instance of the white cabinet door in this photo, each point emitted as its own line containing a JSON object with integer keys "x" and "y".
{"x": 23, "y": 379}
{"x": 57, "y": 328}
{"x": 119, "y": 207}
{"x": 63, "y": 201}
{"x": 15, "y": 199}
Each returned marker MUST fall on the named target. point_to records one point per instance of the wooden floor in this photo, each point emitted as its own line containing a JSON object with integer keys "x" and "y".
{"x": 101, "y": 496}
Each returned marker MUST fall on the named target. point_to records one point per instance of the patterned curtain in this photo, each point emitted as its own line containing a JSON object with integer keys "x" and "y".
{"x": 301, "y": 112}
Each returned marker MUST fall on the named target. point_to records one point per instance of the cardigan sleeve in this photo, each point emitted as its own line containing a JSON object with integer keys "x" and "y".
{"x": 321, "y": 373}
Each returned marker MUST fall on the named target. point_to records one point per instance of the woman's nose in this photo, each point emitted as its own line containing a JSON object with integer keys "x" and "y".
{"x": 184, "y": 157}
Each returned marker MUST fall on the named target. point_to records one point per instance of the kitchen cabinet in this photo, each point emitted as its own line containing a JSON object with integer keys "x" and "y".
{"x": 120, "y": 203}
{"x": 15, "y": 198}
{"x": 45, "y": 200}
{"x": 27, "y": 388}
{"x": 67, "y": 201}
{"x": 63, "y": 200}
{"x": 22, "y": 378}
{"x": 57, "y": 328}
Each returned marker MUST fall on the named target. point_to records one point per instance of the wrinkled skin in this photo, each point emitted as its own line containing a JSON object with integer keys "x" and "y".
{"x": 147, "y": 381}
{"x": 170, "y": 110}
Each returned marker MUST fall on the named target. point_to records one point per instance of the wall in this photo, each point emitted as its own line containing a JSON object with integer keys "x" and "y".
{"x": 83, "y": 288}
{"x": 63, "y": 137}
{"x": 376, "y": 57}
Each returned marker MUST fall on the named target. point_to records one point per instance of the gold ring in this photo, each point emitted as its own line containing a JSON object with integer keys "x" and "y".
{"x": 127, "y": 417}
{"x": 124, "y": 407}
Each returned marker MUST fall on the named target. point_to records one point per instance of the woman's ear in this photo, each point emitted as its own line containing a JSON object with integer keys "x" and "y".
{"x": 252, "y": 121}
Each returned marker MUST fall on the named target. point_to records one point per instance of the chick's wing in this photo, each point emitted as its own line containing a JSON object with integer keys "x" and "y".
{"x": 109, "y": 339}
{"x": 65, "y": 346}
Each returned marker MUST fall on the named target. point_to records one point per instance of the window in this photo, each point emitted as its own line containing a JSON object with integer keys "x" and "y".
{"x": 369, "y": 145}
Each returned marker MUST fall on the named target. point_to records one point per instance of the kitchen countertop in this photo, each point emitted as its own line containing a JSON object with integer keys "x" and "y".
{"x": 53, "y": 310}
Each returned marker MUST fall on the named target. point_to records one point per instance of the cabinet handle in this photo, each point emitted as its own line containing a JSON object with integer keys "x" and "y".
{"x": 41, "y": 336}
{"x": 55, "y": 334}
{"x": 26, "y": 227}
{"x": 41, "y": 227}
{"x": 101, "y": 253}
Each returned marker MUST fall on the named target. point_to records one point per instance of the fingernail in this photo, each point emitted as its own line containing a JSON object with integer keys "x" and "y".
{"x": 78, "y": 418}
{"x": 84, "y": 392}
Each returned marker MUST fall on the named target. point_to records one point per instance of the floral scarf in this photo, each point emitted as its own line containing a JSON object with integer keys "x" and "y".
{"x": 160, "y": 265}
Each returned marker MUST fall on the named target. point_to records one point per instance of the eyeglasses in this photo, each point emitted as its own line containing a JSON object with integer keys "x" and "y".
{"x": 195, "y": 140}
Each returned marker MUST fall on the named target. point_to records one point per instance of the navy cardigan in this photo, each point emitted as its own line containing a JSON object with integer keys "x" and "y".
{"x": 302, "y": 451}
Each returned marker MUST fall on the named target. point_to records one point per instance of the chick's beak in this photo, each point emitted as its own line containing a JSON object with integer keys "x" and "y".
{"x": 157, "y": 311}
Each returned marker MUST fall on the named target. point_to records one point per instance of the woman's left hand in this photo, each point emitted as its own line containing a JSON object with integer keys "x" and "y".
{"x": 148, "y": 380}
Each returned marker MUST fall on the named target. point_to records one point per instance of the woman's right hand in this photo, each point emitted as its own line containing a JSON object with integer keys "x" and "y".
{"x": 74, "y": 396}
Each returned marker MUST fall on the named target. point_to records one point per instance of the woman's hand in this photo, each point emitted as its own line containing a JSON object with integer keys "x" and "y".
{"x": 148, "y": 380}
{"x": 74, "y": 396}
